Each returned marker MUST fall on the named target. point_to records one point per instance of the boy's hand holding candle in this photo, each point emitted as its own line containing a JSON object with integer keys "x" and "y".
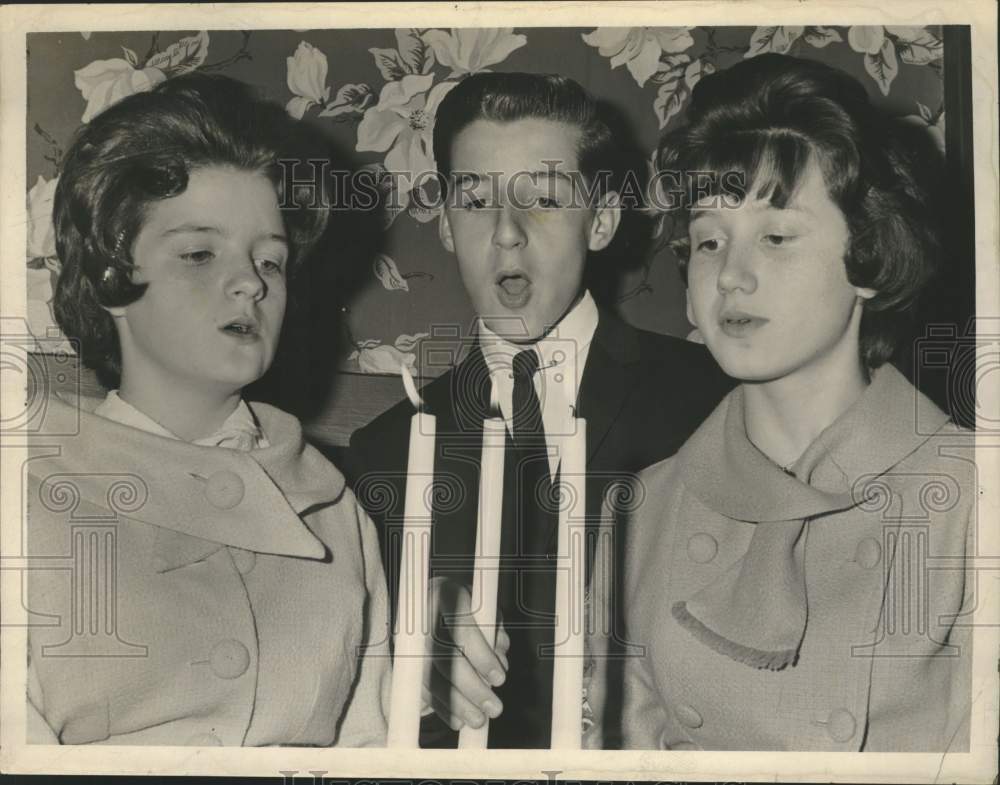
{"x": 462, "y": 666}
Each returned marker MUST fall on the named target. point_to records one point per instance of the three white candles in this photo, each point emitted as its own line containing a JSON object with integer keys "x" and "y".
{"x": 412, "y": 622}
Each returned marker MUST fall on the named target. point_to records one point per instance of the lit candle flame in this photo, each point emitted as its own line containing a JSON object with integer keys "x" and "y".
{"x": 411, "y": 388}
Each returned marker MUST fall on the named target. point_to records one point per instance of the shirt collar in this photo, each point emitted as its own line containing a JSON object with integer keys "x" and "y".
{"x": 569, "y": 338}
{"x": 240, "y": 430}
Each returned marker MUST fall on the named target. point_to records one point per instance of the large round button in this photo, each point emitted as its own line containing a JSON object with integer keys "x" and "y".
{"x": 868, "y": 553}
{"x": 841, "y": 725}
{"x": 702, "y": 548}
{"x": 230, "y": 659}
{"x": 224, "y": 490}
{"x": 204, "y": 740}
{"x": 244, "y": 560}
{"x": 689, "y": 716}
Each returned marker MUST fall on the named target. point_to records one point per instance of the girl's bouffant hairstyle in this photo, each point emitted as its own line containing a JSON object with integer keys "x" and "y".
{"x": 143, "y": 149}
{"x": 765, "y": 119}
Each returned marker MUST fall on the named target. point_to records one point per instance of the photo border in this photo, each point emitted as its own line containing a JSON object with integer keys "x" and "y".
{"x": 979, "y": 765}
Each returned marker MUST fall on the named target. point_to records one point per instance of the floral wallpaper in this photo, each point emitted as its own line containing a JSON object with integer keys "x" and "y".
{"x": 374, "y": 93}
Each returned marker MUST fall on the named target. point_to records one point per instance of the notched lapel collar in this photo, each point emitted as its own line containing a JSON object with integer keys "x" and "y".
{"x": 608, "y": 377}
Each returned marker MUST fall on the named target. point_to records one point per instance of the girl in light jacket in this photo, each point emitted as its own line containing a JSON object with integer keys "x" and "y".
{"x": 796, "y": 575}
{"x": 204, "y": 577}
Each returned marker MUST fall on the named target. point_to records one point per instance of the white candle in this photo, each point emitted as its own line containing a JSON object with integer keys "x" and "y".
{"x": 567, "y": 681}
{"x": 412, "y": 623}
{"x": 487, "y": 563}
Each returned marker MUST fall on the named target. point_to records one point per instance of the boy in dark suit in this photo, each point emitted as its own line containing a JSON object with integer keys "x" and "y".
{"x": 515, "y": 150}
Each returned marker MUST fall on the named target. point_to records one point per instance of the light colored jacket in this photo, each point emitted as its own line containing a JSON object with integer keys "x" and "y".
{"x": 198, "y": 595}
{"x": 884, "y": 662}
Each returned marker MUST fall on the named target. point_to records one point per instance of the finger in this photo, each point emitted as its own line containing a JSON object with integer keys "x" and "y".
{"x": 464, "y": 681}
{"x": 502, "y": 646}
{"x": 454, "y": 708}
{"x": 442, "y": 709}
{"x": 462, "y": 663}
{"x": 478, "y": 652}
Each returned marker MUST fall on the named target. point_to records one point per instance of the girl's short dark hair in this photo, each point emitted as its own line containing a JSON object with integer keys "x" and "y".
{"x": 143, "y": 149}
{"x": 765, "y": 119}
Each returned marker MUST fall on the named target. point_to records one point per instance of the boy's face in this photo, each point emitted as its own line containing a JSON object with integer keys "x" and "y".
{"x": 520, "y": 235}
{"x": 214, "y": 258}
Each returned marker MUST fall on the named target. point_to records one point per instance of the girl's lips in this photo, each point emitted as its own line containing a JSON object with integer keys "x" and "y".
{"x": 740, "y": 325}
{"x": 244, "y": 331}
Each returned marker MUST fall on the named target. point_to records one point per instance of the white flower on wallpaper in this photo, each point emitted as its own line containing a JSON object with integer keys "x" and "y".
{"x": 468, "y": 50}
{"x": 41, "y": 232}
{"x": 373, "y": 356}
{"x": 105, "y": 82}
{"x": 401, "y": 124}
{"x": 306, "y": 79}
{"x": 639, "y": 48}
{"x": 883, "y": 47}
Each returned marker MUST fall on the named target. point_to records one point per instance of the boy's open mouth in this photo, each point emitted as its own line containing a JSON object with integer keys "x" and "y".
{"x": 513, "y": 289}
{"x": 514, "y": 283}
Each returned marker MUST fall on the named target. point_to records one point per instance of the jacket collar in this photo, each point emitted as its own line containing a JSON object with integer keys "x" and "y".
{"x": 730, "y": 475}
{"x": 200, "y": 498}
{"x": 607, "y": 378}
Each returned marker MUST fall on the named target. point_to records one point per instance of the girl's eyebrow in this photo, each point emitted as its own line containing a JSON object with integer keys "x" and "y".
{"x": 190, "y": 228}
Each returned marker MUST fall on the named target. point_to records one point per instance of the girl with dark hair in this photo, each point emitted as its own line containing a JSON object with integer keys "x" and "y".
{"x": 233, "y": 592}
{"x": 780, "y": 587}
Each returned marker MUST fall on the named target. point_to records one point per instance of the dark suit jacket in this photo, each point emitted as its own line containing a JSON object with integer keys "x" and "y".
{"x": 642, "y": 394}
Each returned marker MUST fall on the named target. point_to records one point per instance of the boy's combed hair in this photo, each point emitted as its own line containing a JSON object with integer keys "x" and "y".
{"x": 141, "y": 150}
{"x": 508, "y": 97}
{"x": 766, "y": 119}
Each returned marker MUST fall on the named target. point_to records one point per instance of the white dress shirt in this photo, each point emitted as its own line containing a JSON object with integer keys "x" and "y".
{"x": 562, "y": 358}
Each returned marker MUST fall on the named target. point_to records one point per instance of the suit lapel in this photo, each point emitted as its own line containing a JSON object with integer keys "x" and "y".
{"x": 607, "y": 378}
